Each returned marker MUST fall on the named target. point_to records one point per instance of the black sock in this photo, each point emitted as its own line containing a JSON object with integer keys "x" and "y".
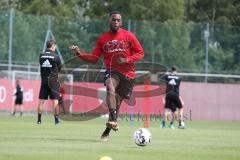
{"x": 163, "y": 123}
{"x": 107, "y": 131}
{"x": 56, "y": 118}
{"x": 39, "y": 117}
{"x": 171, "y": 123}
{"x": 113, "y": 114}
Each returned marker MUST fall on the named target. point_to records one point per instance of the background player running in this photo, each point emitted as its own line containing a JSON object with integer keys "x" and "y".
{"x": 120, "y": 50}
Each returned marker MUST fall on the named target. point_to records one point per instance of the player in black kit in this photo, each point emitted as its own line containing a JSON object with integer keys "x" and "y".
{"x": 173, "y": 101}
{"x": 50, "y": 66}
{"x": 19, "y": 98}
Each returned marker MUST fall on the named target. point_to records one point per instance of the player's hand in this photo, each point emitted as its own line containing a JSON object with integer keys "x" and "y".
{"x": 74, "y": 49}
{"x": 121, "y": 60}
{"x": 163, "y": 101}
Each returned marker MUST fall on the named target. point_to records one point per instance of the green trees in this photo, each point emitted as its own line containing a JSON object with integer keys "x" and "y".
{"x": 212, "y": 11}
{"x": 171, "y": 31}
{"x": 225, "y": 12}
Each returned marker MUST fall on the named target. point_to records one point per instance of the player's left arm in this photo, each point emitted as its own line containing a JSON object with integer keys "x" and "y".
{"x": 21, "y": 88}
{"x": 181, "y": 99}
{"x": 137, "y": 50}
{"x": 59, "y": 65}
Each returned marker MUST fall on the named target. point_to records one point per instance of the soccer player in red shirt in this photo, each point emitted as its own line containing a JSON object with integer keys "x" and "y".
{"x": 120, "y": 50}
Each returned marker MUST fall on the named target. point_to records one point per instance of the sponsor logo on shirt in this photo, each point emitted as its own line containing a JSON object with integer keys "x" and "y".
{"x": 116, "y": 46}
{"x": 46, "y": 63}
{"x": 172, "y": 82}
{"x": 44, "y": 56}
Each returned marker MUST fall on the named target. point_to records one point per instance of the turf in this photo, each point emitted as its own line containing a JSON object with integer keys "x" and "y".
{"x": 22, "y": 139}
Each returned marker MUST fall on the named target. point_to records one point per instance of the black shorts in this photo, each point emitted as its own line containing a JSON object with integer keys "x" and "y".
{"x": 19, "y": 101}
{"x": 173, "y": 101}
{"x": 60, "y": 100}
{"x": 49, "y": 91}
{"x": 125, "y": 86}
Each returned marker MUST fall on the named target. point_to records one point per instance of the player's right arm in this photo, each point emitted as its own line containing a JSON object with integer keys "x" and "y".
{"x": 164, "y": 100}
{"x": 181, "y": 100}
{"x": 90, "y": 58}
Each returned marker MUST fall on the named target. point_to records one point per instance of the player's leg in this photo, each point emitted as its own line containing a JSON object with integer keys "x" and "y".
{"x": 173, "y": 105}
{"x": 43, "y": 95}
{"x": 181, "y": 124}
{"x": 61, "y": 105}
{"x": 54, "y": 93}
{"x": 13, "y": 112}
{"x": 21, "y": 110}
{"x": 119, "y": 102}
{"x": 21, "y": 106}
{"x": 174, "y": 114}
{"x": 115, "y": 127}
{"x": 111, "y": 84}
{"x": 18, "y": 101}
{"x": 123, "y": 90}
{"x": 105, "y": 134}
{"x": 179, "y": 103}
{"x": 164, "y": 119}
{"x": 39, "y": 110}
{"x": 167, "y": 111}
{"x": 171, "y": 117}
{"x": 56, "y": 111}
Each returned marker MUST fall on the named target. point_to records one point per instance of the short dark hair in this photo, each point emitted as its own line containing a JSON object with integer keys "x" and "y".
{"x": 50, "y": 43}
{"x": 114, "y": 12}
{"x": 173, "y": 68}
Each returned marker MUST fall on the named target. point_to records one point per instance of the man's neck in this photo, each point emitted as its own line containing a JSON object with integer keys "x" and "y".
{"x": 113, "y": 32}
{"x": 50, "y": 50}
{"x": 174, "y": 73}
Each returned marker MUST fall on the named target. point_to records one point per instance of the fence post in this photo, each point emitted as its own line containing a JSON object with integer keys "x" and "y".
{"x": 129, "y": 25}
{"x": 10, "y": 43}
{"x": 146, "y": 100}
{"x": 206, "y": 37}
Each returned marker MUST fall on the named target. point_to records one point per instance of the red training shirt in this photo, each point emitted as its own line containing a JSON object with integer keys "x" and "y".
{"x": 112, "y": 46}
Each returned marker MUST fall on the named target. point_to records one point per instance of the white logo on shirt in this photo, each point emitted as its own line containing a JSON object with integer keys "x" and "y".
{"x": 46, "y": 63}
{"x": 172, "y": 82}
{"x": 46, "y": 56}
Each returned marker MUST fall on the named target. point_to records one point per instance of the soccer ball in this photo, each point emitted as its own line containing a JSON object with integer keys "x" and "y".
{"x": 105, "y": 158}
{"x": 142, "y": 137}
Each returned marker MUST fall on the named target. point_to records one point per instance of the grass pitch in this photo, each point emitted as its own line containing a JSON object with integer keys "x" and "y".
{"x": 22, "y": 139}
